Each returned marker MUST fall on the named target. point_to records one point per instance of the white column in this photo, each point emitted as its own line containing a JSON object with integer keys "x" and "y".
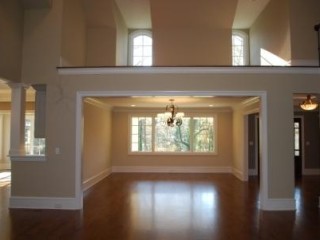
{"x": 18, "y": 99}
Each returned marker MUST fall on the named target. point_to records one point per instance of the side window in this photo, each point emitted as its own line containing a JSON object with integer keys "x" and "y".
{"x": 240, "y": 48}
{"x": 140, "y": 48}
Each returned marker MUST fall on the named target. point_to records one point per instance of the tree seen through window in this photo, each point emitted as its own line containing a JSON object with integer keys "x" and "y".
{"x": 196, "y": 134}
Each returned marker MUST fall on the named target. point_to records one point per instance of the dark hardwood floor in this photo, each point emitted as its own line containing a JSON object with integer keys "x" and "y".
{"x": 169, "y": 206}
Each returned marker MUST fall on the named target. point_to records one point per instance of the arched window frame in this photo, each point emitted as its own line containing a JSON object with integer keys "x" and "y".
{"x": 132, "y": 36}
{"x": 245, "y": 38}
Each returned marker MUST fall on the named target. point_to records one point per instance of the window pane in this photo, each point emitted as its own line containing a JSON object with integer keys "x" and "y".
{"x": 134, "y": 138}
{"x": 203, "y": 134}
{"x": 147, "y": 51}
{"x": 141, "y": 134}
{"x": 147, "y": 41}
{"x": 137, "y": 61}
{"x": 194, "y": 135}
{"x": 238, "y": 49}
{"x": 147, "y": 61}
{"x": 33, "y": 146}
{"x": 134, "y": 129}
{"x": 138, "y": 41}
{"x": 137, "y": 51}
{"x": 141, "y": 50}
{"x": 172, "y": 139}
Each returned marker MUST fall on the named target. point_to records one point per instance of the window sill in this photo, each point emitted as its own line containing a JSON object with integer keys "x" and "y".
{"x": 174, "y": 153}
{"x": 28, "y": 158}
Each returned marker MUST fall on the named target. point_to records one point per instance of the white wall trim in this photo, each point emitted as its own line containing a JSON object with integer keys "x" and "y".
{"x": 79, "y": 135}
{"x": 278, "y": 204}
{"x": 187, "y": 70}
{"x": 27, "y": 158}
{"x": 168, "y": 169}
{"x": 88, "y": 183}
{"x": 311, "y": 171}
{"x": 97, "y": 103}
{"x": 253, "y": 172}
{"x": 44, "y": 203}
{"x": 238, "y": 174}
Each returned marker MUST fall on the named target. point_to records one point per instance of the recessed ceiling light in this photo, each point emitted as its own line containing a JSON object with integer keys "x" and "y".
{"x": 210, "y": 105}
{"x": 133, "y": 105}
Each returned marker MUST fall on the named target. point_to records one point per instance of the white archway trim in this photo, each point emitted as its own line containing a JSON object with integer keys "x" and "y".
{"x": 265, "y": 203}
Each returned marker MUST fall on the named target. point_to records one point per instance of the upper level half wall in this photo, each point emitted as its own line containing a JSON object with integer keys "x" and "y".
{"x": 192, "y": 32}
{"x": 270, "y": 35}
{"x": 11, "y": 29}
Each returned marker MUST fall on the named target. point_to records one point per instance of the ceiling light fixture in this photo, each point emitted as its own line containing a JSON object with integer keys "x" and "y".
{"x": 171, "y": 116}
{"x": 308, "y": 105}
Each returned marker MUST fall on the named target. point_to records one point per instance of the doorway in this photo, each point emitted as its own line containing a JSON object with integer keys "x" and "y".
{"x": 253, "y": 145}
{"x": 297, "y": 147}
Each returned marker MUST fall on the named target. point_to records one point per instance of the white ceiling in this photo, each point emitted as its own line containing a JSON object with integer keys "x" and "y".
{"x": 137, "y": 15}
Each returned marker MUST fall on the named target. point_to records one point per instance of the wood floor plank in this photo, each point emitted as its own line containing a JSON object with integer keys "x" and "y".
{"x": 169, "y": 206}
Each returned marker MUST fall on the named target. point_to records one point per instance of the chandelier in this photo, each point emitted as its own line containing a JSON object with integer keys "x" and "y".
{"x": 171, "y": 116}
{"x": 308, "y": 105}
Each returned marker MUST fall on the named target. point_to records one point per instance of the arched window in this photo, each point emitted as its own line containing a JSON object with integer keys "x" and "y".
{"x": 140, "y": 48}
{"x": 240, "y": 46}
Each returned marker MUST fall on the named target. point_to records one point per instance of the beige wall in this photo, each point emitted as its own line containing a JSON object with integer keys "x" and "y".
{"x": 192, "y": 33}
{"x": 73, "y": 46}
{"x": 122, "y": 38}
{"x": 31, "y": 180}
{"x": 304, "y": 45}
{"x": 122, "y": 158}
{"x": 101, "y": 46}
{"x": 96, "y": 140}
{"x": 11, "y": 31}
{"x": 271, "y": 31}
{"x": 41, "y": 54}
{"x": 4, "y": 136}
{"x": 42, "y": 43}
{"x": 101, "y": 33}
{"x": 191, "y": 46}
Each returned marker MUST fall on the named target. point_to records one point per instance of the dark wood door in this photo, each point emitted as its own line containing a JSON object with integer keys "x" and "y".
{"x": 297, "y": 148}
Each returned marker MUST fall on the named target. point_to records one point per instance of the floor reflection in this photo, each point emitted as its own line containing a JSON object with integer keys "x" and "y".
{"x": 173, "y": 206}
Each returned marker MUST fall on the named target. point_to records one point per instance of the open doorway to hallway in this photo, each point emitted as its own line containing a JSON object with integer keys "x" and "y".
{"x": 253, "y": 145}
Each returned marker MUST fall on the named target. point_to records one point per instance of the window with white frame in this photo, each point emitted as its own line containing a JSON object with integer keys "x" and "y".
{"x": 33, "y": 146}
{"x": 140, "y": 48}
{"x": 240, "y": 56}
{"x": 150, "y": 134}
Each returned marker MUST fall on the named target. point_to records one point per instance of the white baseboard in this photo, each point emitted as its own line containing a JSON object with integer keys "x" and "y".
{"x": 238, "y": 174}
{"x": 253, "y": 172}
{"x": 151, "y": 169}
{"x": 311, "y": 171}
{"x": 281, "y": 204}
{"x": 88, "y": 183}
{"x": 45, "y": 203}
